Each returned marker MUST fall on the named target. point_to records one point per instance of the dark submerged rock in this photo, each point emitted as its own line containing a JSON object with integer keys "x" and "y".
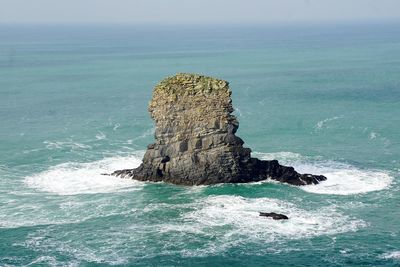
{"x": 196, "y": 142}
{"x": 275, "y": 216}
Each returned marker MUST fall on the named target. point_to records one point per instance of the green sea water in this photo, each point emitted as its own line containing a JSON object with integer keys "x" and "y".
{"x": 73, "y": 104}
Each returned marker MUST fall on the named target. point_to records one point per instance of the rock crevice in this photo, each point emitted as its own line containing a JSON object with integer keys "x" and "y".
{"x": 195, "y": 141}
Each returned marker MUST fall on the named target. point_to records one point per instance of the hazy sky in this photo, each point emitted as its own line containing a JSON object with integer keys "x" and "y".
{"x": 195, "y": 12}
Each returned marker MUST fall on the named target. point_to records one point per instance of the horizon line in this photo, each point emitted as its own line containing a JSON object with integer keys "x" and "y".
{"x": 216, "y": 23}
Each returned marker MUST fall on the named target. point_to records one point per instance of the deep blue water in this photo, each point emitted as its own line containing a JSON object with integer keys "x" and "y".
{"x": 323, "y": 98}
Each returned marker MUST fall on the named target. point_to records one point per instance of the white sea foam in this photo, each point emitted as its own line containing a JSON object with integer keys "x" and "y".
{"x": 100, "y": 136}
{"x": 347, "y": 180}
{"x": 45, "y": 260}
{"x": 67, "y": 144}
{"x": 373, "y": 135}
{"x": 116, "y": 126}
{"x": 392, "y": 255}
{"x": 321, "y": 124}
{"x": 85, "y": 178}
{"x": 284, "y": 156}
{"x": 238, "y": 112}
{"x": 342, "y": 179}
{"x": 218, "y": 223}
{"x": 66, "y": 210}
{"x": 108, "y": 248}
{"x": 240, "y": 219}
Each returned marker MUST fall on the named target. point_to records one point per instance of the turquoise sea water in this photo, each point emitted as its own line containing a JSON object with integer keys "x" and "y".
{"x": 73, "y": 104}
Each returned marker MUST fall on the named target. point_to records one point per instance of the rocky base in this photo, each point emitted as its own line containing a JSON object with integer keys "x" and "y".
{"x": 196, "y": 142}
{"x": 253, "y": 171}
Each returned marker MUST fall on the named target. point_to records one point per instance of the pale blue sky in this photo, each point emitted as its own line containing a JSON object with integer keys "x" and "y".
{"x": 195, "y": 12}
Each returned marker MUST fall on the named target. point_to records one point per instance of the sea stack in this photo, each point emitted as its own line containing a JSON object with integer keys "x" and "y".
{"x": 195, "y": 141}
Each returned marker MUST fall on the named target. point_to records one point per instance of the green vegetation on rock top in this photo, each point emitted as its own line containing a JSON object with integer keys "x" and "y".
{"x": 186, "y": 83}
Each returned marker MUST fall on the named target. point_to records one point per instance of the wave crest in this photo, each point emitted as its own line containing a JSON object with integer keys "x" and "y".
{"x": 343, "y": 179}
{"x": 73, "y": 178}
{"x": 240, "y": 218}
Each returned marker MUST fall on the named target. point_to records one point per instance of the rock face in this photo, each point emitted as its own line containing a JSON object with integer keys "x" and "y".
{"x": 196, "y": 142}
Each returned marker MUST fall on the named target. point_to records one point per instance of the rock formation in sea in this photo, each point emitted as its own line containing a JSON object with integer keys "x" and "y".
{"x": 195, "y": 141}
{"x": 275, "y": 216}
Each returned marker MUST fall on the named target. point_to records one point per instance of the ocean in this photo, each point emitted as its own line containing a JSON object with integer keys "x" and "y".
{"x": 322, "y": 98}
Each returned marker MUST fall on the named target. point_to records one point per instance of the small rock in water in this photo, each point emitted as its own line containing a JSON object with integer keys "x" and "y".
{"x": 275, "y": 216}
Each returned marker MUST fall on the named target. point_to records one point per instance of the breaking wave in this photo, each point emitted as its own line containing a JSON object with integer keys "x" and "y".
{"x": 242, "y": 214}
{"x": 218, "y": 223}
{"x": 73, "y": 178}
{"x": 85, "y": 178}
{"x": 343, "y": 179}
{"x": 391, "y": 255}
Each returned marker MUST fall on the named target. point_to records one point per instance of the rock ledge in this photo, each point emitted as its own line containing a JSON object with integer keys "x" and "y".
{"x": 196, "y": 142}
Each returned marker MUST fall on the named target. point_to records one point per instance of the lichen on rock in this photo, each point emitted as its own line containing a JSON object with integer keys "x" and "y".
{"x": 196, "y": 142}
